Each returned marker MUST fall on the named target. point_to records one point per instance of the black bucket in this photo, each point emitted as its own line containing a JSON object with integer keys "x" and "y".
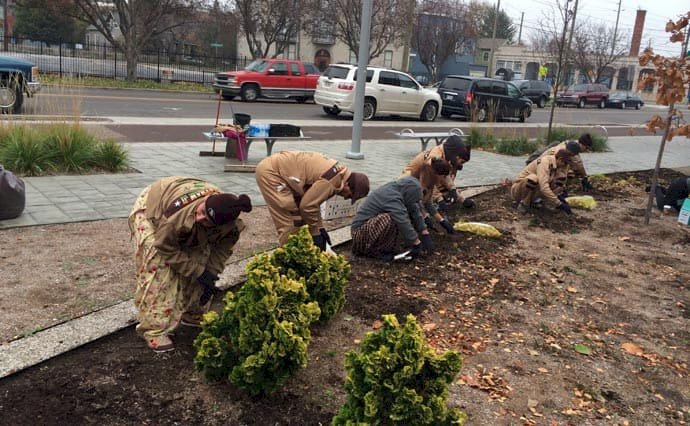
{"x": 241, "y": 119}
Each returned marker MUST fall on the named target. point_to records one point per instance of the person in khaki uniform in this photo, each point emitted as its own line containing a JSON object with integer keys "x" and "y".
{"x": 294, "y": 184}
{"x": 577, "y": 167}
{"x": 454, "y": 153}
{"x": 184, "y": 229}
{"x": 543, "y": 176}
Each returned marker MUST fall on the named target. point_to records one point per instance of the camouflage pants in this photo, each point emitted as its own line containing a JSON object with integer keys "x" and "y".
{"x": 162, "y": 295}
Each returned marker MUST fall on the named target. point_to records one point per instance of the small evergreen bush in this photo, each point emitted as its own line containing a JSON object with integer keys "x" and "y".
{"x": 326, "y": 276}
{"x": 261, "y": 337}
{"x": 397, "y": 378}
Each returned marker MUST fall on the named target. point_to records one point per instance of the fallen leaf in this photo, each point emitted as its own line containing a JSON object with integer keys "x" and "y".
{"x": 571, "y": 290}
{"x": 542, "y": 370}
{"x": 377, "y": 324}
{"x": 623, "y": 238}
{"x": 531, "y": 403}
{"x": 632, "y": 348}
{"x": 532, "y": 352}
{"x": 582, "y": 349}
{"x": 429, "y": 326}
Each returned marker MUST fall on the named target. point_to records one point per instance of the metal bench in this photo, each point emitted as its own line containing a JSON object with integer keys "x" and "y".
{"x": 270, "y": 140}
{"x": 426, "y": 137}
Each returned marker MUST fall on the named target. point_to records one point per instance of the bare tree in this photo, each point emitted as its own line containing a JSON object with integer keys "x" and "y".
{"x": 268, "y": 24}
{"x": 388, "y": 22}
{"x": 129, "y": 25}
{"x": 672, "y": 77}
{"x": 441, "y": 28}
{"x": 592, "y": 51}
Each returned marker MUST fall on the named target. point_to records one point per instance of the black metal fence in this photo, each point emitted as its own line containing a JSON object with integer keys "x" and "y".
{"x": 103, "y": 60}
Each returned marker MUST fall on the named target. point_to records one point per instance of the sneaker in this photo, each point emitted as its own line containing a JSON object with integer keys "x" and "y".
{"x": 191, "y": 320}
{"x": 522, "y": 208}
{"x": 161, "y": 344}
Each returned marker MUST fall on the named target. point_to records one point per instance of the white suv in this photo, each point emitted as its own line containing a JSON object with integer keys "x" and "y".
{"x": 387, "y": 92}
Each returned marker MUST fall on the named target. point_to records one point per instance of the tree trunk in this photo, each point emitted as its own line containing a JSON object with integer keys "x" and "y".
{"x": 657, "y": 166}
{"x": 132, "y": 58}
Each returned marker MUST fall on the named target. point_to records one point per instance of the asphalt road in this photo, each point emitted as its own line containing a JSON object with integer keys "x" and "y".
{"x": 102, "y": 104}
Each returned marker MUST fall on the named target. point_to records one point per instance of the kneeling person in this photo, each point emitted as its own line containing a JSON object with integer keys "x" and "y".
{"x": 543, "y": 177}
{"x": 390, "y": 217}
{"x": 184, "y": 229}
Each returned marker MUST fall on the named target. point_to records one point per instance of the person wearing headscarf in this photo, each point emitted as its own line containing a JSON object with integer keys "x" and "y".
{"x": 184, "y": 229}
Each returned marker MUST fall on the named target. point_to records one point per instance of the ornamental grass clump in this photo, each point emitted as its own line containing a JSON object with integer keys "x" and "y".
{"x": 397, "y": 378}
{"x": 262, "y": 335}
{"x": 326, "y": 275}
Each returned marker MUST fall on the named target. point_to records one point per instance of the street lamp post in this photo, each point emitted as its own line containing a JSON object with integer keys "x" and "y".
{"x": 362, "y": 62}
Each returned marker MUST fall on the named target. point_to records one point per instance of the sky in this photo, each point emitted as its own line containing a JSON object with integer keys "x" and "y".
{"x": 604, "y": 12}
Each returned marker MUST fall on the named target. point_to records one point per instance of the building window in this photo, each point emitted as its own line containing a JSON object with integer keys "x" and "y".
{"x": 292, "y": 51}
{"x": 485, "y": 56}
{"x": 388, "y": 59}
{"x": 353, "y": 58}
{"x": 500, "y": 64}
{"x": 517, "y": 66}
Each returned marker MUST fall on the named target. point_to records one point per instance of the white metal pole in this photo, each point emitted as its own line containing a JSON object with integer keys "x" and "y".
{"x": 362, "y": 62}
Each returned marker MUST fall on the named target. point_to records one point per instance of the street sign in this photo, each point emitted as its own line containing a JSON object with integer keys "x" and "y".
{"x": 216, "y": 44}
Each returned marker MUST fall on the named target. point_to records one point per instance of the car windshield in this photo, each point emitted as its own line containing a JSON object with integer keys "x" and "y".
{"x": 578, "y": 88}
{"x": 619, "y": 95}
{"x": 455, "y": 83}
{"x": 257, "y": 66}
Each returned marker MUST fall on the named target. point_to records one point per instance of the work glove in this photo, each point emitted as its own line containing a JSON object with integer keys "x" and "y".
{"x": 468, "y": 203}
{"x": 565, "y": 207}
{"x": 207, "y": 281}
{"x": 429, "y": 222}
{"x": 586, "y": 186}
{"x": 447, "y": 226}
{"x": 427, "y": 243}
{"x": 451, "y": 196}
{"x": 443, "y": 206}
{"x": 562, "y": 197}
{"x": 416, "y": 251}
{"x": 321, "y": 239}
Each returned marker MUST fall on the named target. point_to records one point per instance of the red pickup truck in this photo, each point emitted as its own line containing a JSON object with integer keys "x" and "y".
{"x": 269, "y": 78}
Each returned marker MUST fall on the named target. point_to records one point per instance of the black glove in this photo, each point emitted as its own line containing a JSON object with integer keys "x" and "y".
{"x": 451, "y": 196}
{"x": 443, "y": 206}
{"x": 447, "y": 226}
{"x": 566, "y": 208}
{"x": 468, "y": 203}
{"x": 586, "y": 186}
{"x": 427, "y": 243}
{"x": 562, "y": 197}
{"x": 321, "y": 239}
{"x": 207, "y": 280}
{"x": 416, "y": 251}
{"x": 429, "y": 222}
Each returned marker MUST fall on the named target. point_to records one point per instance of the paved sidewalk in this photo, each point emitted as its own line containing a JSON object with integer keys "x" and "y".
{"x": 61, "y": 199}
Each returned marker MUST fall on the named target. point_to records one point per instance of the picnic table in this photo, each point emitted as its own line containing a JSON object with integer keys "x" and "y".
{"x": 426, "y": 137}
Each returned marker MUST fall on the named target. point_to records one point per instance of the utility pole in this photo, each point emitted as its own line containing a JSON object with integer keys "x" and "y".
{"x": 615, "y": 29}
{"x": 409, "y": 28}
{"x": 493, "y": 40}
{"x": 522, "y": 18}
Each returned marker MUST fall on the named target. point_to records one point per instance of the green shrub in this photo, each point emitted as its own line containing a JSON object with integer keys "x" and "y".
{"x": 518, "y": 146}
{"x": 261, "y": 337}
{"x": 477, "y": 139}
{"x": 22, "y": 152}
{"x": 559, "y": 134}
{"x": 71, "y": 148}
{"x": 111, "y": 156}
{"x": 326, "y": 276}
{"x": 599, "y": 143}
{"x": 397, "y": 378}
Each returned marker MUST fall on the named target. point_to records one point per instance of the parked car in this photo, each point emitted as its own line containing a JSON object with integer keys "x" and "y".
{"x": 269, "y": 78}
{"x": 623, "y": 100}
{"x": 584, "y": 94}
{"x": 17, "y": 77}
{"x": 537, "y": 91}
{"x": 387, "y": 92}
{"x": 482, "y": 99}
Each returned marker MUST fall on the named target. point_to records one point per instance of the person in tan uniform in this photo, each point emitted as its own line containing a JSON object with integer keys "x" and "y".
{"x": 184, "y": 229}
{"x": 577, "y": 167}
{"x": 295, "y": 183}
{"x": 543, "y": 177}
{"x": 455, "y": 153}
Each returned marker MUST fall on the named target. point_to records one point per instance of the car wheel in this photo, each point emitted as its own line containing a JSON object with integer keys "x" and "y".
{"x": 369, "y": 109}
{"x": 623, "y": 105}
{"x": 429, "y": 112}
{"x": 11, "y": 98}
{"x": 541, "y": 103}
{"x": 581, "y": 103}
{"x": 637, "y": 105}
{"x": 301, "y": 99}
{"x": 250, "y": 92}
{"x": 481, "y": 114}
{"x": 602, "y": 104}
{"x": 331, "y": 111}
{"x": 523, "y": 115}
